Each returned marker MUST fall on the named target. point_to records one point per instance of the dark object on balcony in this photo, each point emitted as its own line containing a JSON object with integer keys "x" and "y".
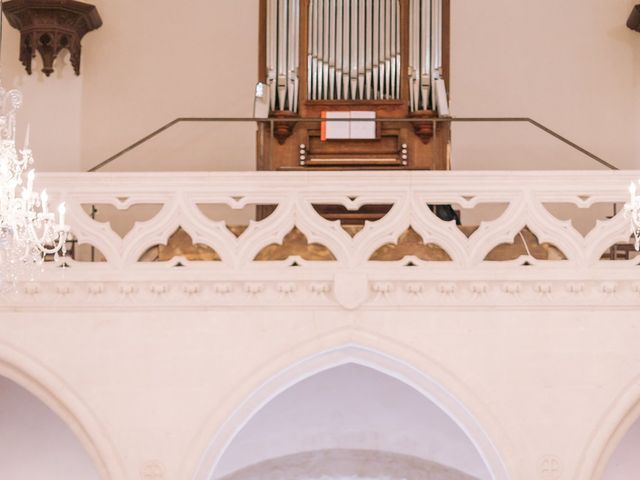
{"x": 446, "y": 213}
{"x": 49, "y": 26}
{"x": 634, "y": 19}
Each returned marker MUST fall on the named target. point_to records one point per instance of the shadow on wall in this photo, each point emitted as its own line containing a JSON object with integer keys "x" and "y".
{"x": 35, "y": 442}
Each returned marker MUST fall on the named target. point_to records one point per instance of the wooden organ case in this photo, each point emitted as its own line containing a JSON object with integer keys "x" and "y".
{"x": 342, "y": 58}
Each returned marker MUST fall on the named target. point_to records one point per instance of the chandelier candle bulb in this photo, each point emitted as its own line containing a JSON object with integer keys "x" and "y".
{"x": 61, "y": 211}
{"x": 44, "y": 198}
{"x": 28, "y": 232}
{"x": 632, "y": 211}
{"x": 27, "y": 137}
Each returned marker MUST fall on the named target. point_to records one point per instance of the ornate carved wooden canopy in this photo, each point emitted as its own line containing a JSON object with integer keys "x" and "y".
{"x": 49, "y": 26}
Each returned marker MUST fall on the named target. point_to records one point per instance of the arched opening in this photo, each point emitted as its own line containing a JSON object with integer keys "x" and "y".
{"x": 35, "y": 442}
{"x": 616, "y": 434}
{"x": 351, "y": 421}
{"x": 624, "y": 462}
{"x": 43, "y": 385}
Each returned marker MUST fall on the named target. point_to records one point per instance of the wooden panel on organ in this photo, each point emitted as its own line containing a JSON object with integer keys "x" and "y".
{"x": 354, "y": 58}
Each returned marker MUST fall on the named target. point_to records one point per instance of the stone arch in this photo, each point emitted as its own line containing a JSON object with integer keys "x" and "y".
{"x": 46, "y": 386}
{"x": 609, "y": 432}
{"x": 340, "y": 354}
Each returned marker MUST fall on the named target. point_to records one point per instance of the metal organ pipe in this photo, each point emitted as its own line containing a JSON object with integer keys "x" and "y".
{"x": 319, "y": 47}
{"x": 414, "y": 36}
{"x": 282, "y": 54}
{"x": 332, "y": 47}
{"x": 354, "y": 52}
{"x": 338, "y": 46}
{"x": 354, "y": 49}
{"x": 368, "y": 49}
{"x": 426, "y": 86}
{"x": 346, "y": 39}
{"x": 398, "y": 55}
{"x": 361, "y": 49}
{"x": 436, "y": 46}
{"x": 283, "y": 51}
{"x": 292, "y": 56}
{"x": 387, "y": 49}
{"x": 393, "y": 49}
{"x": 309, "y": 52}
{"x": 375, "y": 69}
{"x": 295, "y": 38}
{"x": 425, "y": 53}
{"x": 326, "y": 33}
{"x": 381, "y": 35}
{"x": 272, "y": 46}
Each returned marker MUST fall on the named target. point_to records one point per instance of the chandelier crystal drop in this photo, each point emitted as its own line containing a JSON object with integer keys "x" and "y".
{"x": 632, "y": 211}
{"x": 29, "y": 231}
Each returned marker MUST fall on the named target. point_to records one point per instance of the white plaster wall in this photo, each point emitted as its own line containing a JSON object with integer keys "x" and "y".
{"x": 51, "y": 106}
{"x": 572, "y": 65}
{"x": 352, "y": 407}
{"x": 35, "y": 444}
{"x": 624, "y": 464}
{"x": 162, "y": 382}
{"x": 150, "y": 62}
{"x": 153, "y": 61}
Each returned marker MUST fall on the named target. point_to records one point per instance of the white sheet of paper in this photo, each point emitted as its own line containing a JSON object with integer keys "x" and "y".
{"x": 363, "y": 130}
{"x": 337, "y": 130}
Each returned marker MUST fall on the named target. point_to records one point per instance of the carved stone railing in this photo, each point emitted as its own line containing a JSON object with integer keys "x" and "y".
{"x": 349, "y": 265}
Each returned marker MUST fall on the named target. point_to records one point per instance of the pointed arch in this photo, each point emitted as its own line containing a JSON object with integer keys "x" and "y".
{"x": 609, "y": 432}
{"x": 47, "y": 387}
{"x": 348, "y": 353}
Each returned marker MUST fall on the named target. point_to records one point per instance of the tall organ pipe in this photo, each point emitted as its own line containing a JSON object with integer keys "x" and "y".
{"x": 368, "y": 48}
{"x": 357, "y": 47}
{"x": 353, "y": 51}
{"x": 283, "y": 51}
{"x": 338, "y": 46}
{"x": 332, "y": 48}
{"x": 375, "y": 49}
{"x": 425, "y": 56}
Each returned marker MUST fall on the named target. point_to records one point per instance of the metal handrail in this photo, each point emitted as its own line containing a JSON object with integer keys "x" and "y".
{"x": 434, "y": 121}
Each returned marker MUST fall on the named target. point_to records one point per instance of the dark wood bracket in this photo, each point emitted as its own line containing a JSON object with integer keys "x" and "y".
{"x": 423, "y": 130}
{"x": 634, "y": 19}
{"x": 50, "y": 26}
{"x": 282, "y": 129}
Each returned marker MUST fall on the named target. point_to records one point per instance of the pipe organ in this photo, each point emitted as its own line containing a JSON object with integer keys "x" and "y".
{"x": 328, "y": 59}
{"x": 353, "y": 50}
{"x": 282, "y": 54}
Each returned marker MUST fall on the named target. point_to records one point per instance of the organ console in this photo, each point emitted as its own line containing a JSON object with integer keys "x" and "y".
{"x": 354, "y": 59}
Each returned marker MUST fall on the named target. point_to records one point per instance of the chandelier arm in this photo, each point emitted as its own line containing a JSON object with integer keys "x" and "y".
{"x": 28, "y": 231}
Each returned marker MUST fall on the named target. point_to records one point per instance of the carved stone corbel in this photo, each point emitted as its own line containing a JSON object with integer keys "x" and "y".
{"x": 49, "y": 26}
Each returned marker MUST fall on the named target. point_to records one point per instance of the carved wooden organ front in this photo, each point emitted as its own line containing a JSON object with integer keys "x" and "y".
{"x": 350, "y": 62}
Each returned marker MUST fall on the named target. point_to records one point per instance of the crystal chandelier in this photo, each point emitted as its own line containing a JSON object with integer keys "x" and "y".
{"x": 28, "y": 230}
{"x": 632, "y": 211}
